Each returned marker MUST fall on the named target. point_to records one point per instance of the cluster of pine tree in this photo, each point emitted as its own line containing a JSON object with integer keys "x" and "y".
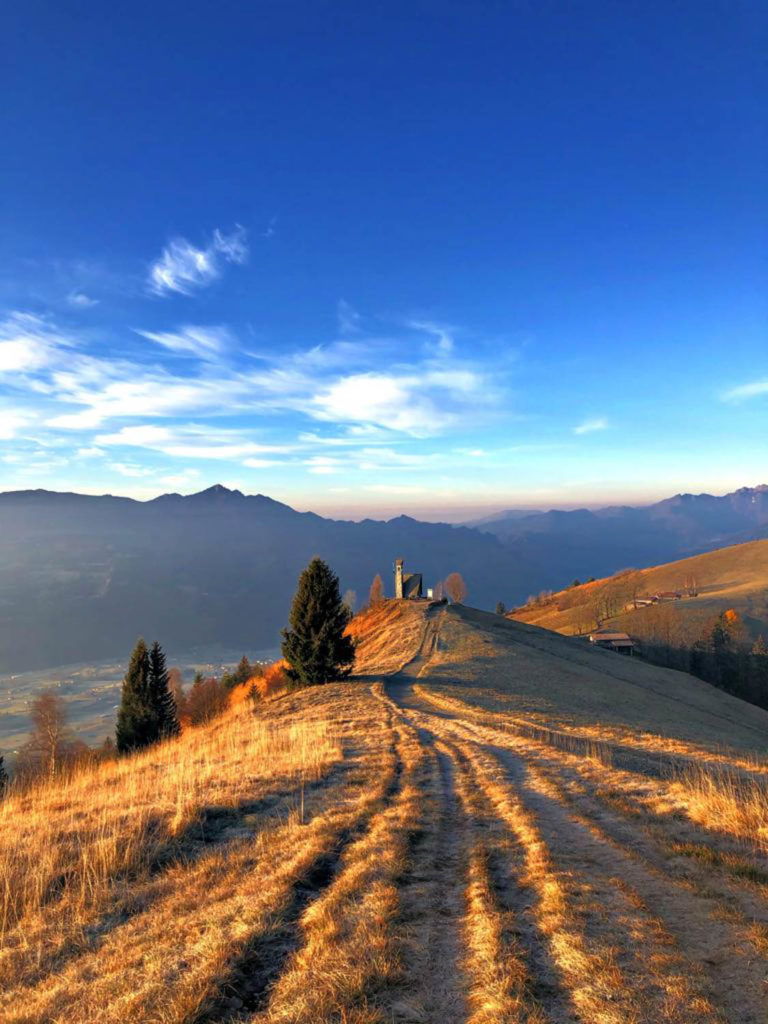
{"x": 147, "y": 711}
{"x": 722, "y": 656}
{"x": 240, "y": 675}
{"x": 152, "y": 699}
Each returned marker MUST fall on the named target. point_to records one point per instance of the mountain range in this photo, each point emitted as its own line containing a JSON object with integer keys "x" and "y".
{"x": 81, "y": 576}
{"x": 585, "y": 542}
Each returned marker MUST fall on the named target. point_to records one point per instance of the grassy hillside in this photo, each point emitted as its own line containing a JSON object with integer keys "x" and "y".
{"x": 489, "y": 823}
{"x": 732, "y": 577}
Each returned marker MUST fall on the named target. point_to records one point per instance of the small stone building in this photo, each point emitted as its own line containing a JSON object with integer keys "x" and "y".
{"x": 408, "y": 585}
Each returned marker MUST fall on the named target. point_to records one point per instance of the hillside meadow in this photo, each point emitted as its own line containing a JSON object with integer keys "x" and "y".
{"x": 488, "y": 823}
{"x": 732, "y": 577}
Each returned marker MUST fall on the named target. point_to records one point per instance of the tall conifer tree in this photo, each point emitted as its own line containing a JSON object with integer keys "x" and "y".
{"x": 137, "y": 723}
{"x": 160, "y": 696}
{"x": 758, "y": 663}
{"x": 315, "y": 646}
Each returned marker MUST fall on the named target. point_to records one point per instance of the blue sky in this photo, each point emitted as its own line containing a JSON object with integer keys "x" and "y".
{"x": 424, "y": 257}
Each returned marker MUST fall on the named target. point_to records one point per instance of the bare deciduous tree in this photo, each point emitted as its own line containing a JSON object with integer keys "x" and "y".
{"x": 51, "y": 744}
{"x": 376, "y": 594}
{"x": 455, "y": 587}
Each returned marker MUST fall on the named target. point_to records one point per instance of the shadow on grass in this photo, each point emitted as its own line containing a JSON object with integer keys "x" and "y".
{"x": 213, "y": 828}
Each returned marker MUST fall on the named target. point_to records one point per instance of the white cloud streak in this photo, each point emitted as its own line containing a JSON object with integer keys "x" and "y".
{"x": 348, "y": 319}
{"x": 168, "y": 404}
{"x": 182, "y": 268}
{"x": 28, "y": 344}
{"x": 182, "y": 479}
{"x": 12, "y": 421}
{"x": 443, "y": 334}
{"x": 191, "y": 442}
{"x": 81, "y": 301}
{"x": 753, "y": 389}
{"x": 125, "y": 469}
{"x": 204, "y": 343}
{"x": 590, "y": 426}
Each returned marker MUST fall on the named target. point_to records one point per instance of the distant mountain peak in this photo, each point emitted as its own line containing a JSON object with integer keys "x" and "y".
{"x": 217, "y": 491}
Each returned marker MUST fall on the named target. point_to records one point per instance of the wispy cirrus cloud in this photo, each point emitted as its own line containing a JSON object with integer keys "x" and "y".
{"x": 348, "y": 319}
{"x": 131, "y": 470}
{"x": 81, "y": 301}
{"x": 372, "y": 460}
{"x": 146, "y": 410}
{"x": 13, "y": 421}
{"x": 182, "y": 479}
{"x": 418, "y": 400}
{"x": 205, "y": 343}
{"x": 183, "y": 268}
{"x": 191, "y": 441}
{"x": 28, "y": 344}
{"x": 442, "y": 333}
{"x": 394, "y": 401}
{"x": 590, "y": 426}
{"x": 411, "y": 400}
{"x": 324, "y": 465}
{"x": 752, "y": 389}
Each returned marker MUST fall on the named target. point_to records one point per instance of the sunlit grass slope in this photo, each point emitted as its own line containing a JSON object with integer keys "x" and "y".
{"x": 488, "y": 824}
{"x": 732, "y": 577}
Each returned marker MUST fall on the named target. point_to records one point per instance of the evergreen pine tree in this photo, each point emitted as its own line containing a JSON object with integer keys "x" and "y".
{"x": 315, "y": 646}
{"x": 244, "y": 671}
{"x": 501, "y": 608}
{"x": 176, "y": 686}
{"x": 758, "y": 663}
{"x": 240, "y": 675}
{"x": 137, "y": 722}
{"x": 160, "y": 695}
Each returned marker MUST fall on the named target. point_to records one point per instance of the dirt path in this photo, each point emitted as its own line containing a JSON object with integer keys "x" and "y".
{"x": 432, "y": 903}
{"x": 634, "y": 938}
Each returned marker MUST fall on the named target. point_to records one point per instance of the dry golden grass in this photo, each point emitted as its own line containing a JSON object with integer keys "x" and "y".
{"x": 74, "y": 854}
{"x": 63, "y": 844}
{"x": 727, "y": 802}
{"x": 274, "y": 683}
{"x": 727, "y": 578}
{"x": 499, "y": 977}
{"x": 349, "y": 948}
{"x": 386, "y": 636}
{"x": 392, "y": 851}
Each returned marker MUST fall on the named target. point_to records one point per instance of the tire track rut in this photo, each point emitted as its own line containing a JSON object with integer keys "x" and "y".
{"x": 246, "y": 988}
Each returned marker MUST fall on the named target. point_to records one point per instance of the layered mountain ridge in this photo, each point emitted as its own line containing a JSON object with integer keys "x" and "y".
{"x": 81, "y": 576}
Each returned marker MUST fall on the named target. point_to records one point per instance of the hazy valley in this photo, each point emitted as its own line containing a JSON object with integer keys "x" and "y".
{"x": 81, "y": 576}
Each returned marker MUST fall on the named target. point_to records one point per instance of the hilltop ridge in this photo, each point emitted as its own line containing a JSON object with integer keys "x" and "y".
{"x": 502, "y": 664}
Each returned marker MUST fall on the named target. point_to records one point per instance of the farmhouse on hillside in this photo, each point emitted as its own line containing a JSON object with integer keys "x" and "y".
{"x": 622, "y": 643}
